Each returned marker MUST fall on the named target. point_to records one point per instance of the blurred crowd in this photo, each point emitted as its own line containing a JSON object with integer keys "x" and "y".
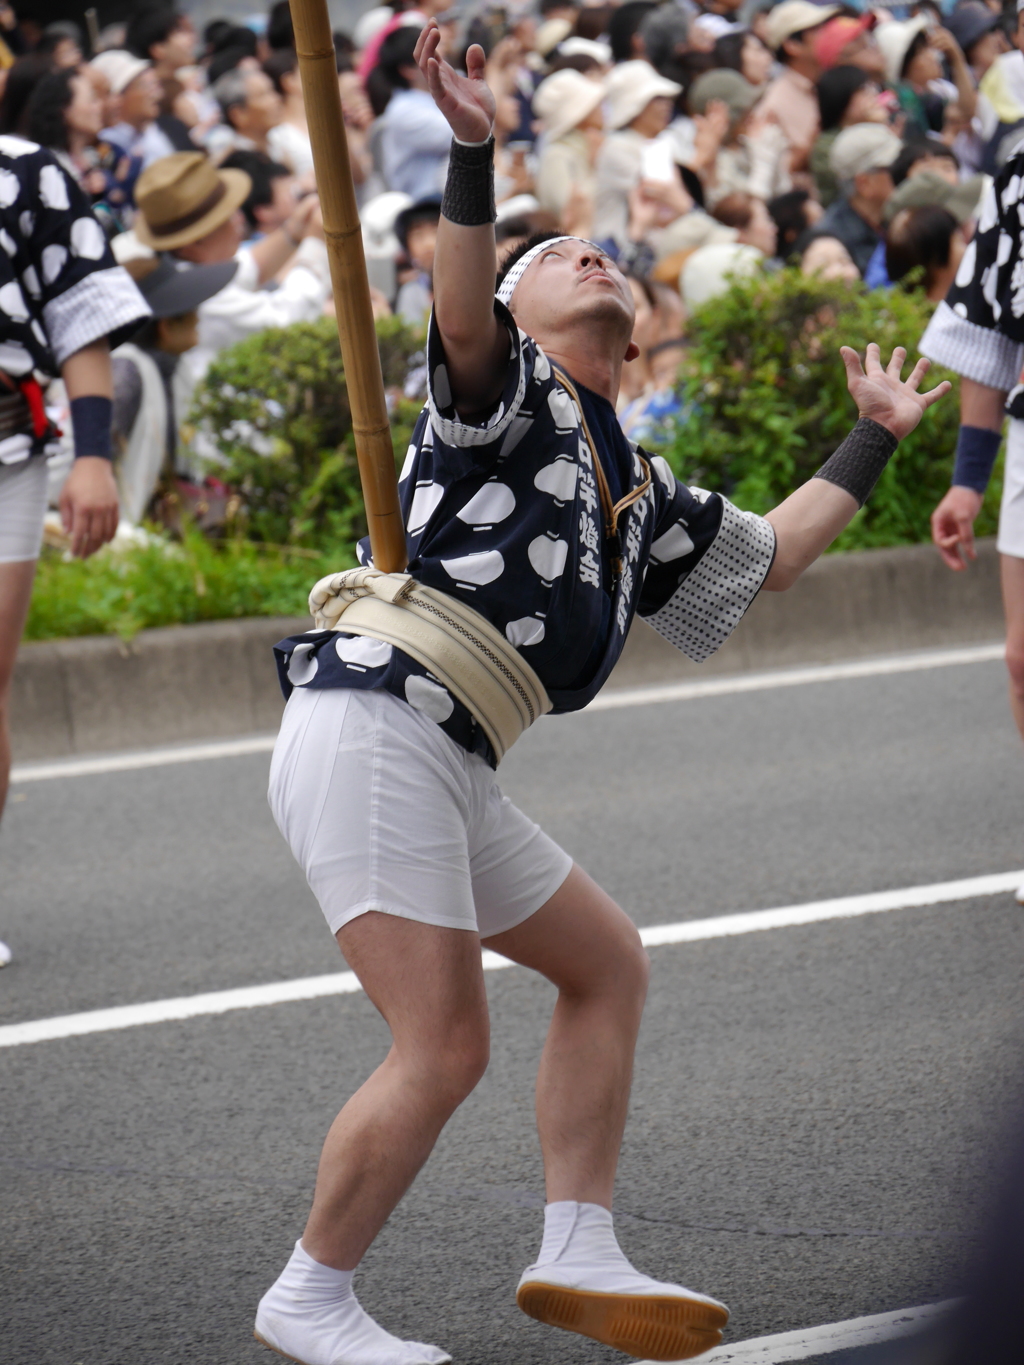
{"x": 692, "y": 141}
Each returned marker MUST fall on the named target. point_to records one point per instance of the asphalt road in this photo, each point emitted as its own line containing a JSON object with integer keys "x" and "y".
{"x": 816, "y": 1113}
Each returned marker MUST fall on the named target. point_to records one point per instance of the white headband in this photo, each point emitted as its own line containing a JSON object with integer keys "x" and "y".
{"x": 508, "y": 284}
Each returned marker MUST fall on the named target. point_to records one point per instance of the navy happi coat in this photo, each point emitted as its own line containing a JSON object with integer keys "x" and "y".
{"x": 504, "y": 514}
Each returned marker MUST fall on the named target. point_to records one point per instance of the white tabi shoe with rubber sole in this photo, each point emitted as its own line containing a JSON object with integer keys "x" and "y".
{"x": 311, "y": 1316}
{"x": 582, "y": 1282}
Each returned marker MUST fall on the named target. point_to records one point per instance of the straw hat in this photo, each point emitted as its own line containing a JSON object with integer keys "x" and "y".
{"x": 119, "y": 67}
{"x": 564, "y": 100}
{"x": 796, "y": 16}
{"x": 630, "y": 87}
{"x": 550, "y": 34}
{"x": 894, "y": 38}
{"x": 184, "y": 197}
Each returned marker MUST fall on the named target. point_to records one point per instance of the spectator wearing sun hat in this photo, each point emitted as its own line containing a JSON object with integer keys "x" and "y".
{"x": 913, "y": 65}
{"x": 639, "y": 106}
{"x": 861, "y": 158}
{"x": 790, "y": 100}
{"x": 568, "y": 106}
{"x": 138, "y": 87}
{"x": 751, "y": 160}
{"x": 848, "y": 41}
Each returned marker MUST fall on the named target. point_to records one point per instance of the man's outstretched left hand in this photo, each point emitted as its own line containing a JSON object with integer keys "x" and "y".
{"x": 882, "y": 396}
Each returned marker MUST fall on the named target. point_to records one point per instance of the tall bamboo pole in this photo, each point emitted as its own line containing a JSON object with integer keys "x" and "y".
{"x": 314, "y": 46}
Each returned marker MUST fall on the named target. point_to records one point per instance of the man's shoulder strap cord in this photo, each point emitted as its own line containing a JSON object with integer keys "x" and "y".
{"x": 611, "y": 511}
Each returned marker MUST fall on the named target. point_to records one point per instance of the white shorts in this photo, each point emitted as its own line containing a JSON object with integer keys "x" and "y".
{"x": 22, "y": 509}
{"x": 1010, "y": 540}
{"x": 384, "y": 812}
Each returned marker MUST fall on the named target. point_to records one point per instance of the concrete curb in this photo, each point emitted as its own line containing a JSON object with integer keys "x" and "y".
{"x": 217, "y": 679}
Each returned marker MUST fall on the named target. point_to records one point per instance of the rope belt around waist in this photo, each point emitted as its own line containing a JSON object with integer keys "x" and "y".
{"x": 459, "y": 647}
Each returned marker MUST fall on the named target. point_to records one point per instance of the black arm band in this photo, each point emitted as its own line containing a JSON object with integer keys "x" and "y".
{"x": 469, "y": 190}
{"x": 90, "y": 421}
{"x": 976, "y": 451}
{"x": 859, "y": 461}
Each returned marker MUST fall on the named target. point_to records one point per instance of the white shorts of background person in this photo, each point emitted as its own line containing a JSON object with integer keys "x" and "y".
{"x": 22, "y": 509}
{"x": 1010, "y": 540}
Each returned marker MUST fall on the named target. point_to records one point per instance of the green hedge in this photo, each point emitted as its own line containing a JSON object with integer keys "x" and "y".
{"x": 120, "y": 592}
{"x": 273, "y": 413}
{"x": 768, "y": 401}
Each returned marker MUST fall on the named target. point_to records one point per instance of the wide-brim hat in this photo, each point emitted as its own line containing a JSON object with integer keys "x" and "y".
{"x": 171, "y": 289}
{"x": 710, "y": 270}
{"x": 926, "y": 189}
{"x": 184, "y": 197}
{"x": 564, "y": 100}
{"x": 894, "y": 38}
{"x": 796, "y": 16}
{"x": 629, "y": 89}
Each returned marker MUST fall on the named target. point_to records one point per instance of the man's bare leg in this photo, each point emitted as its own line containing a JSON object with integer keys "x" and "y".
{"x": 582, "y": 942}
{"x": 428, "y": 985}
{"x": 15, "y": 595}
{"x": 1011, "y": 571}
{"x": 587, "y": 947}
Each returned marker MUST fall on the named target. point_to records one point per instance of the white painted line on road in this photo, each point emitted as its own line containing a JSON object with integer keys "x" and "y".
{"x": 819, "y": 1341}
{"x": 843, "y": 907}
{"x": 607, "y": 701}
{"x": 344, "y": 983}
{"x": 610, "y": 700}
{"x": 141, "y": 758}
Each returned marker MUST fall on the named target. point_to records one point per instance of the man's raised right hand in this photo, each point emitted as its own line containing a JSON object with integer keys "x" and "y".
{"x": 953, "y": 526}
{"x": 466, "y": 101}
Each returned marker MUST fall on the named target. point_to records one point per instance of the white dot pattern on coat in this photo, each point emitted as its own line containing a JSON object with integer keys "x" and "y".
{"x": 711, "y": 600}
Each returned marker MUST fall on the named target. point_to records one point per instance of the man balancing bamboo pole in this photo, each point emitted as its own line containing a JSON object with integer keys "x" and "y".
{"x": 535, "y": 534}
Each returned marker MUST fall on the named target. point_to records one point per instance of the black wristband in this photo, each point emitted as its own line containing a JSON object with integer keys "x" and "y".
{"x": 859, "y": 461}
{"x": 90, "y": 421}
{"x": 469, "y": 190}
{"x": 976, "y": 451}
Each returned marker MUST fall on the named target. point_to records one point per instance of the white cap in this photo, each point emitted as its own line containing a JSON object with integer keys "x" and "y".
{"x": 377, "y": 218}
{"x": 564, "y": 100}
{"x": 707, "y": 273}
{"x": 630, "y": 87}
{"x": 863, "y": 147}
{"x": 715, "y": 25}
{"x": 894, "y": 38}
{"x": 119, "y": 67}
{"x": 370, "y": 24}
{"x": 796, "y": 16}
{"x": 591, "y": 47}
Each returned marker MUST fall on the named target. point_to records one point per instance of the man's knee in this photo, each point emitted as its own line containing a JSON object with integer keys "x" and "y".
{"x": 454, "y": 1065}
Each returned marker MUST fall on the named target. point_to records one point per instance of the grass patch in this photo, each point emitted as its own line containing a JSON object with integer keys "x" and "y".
{"x": 120, "y": 592}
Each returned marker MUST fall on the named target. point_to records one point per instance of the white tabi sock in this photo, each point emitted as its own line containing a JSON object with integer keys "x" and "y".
{"x": 311, "y": 1315}
{"x": 580, "y": 1250}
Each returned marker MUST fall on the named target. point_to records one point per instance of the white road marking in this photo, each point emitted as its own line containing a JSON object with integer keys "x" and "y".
{"x": 344, "y": 983}
{"x": 608, "y": 701}
{"x": 819, "y": 1341}
{"x": 141, "y": 758}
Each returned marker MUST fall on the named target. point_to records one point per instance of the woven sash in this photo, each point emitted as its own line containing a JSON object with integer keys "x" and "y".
{"x": 460, "y": 648}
